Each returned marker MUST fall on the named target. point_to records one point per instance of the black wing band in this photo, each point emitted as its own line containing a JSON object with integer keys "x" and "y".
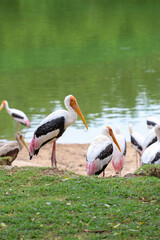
{"x": 50, "y": 126}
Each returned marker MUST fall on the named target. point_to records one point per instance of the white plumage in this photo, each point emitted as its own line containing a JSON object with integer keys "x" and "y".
{"x": 119, "y": 157}
{"x": 100, "y": 152}
{"x": 136, "y": 140}
{"x": 150, "y": 138}
{"x": 95, "y": 165}
{"x": 59, "y": 121}
{"x": 137, "y": 143}
{"x": 53, "y": 126}
{"x": 151, "y": 155}
{"x": 152, "y": 122}
{"x": 18, "y": 115}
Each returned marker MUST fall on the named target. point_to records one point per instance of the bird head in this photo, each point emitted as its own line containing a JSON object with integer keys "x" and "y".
{"x": 76, "y": 108}
{"x": 130, "y": 128}
{"x": 110, "y": 131}
{"x": 2, "y": 104}
{"x": 20, "y": 137}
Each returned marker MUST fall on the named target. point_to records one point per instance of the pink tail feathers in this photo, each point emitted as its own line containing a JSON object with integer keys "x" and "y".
{"x": 91, "y": 168}
{"x": 28, "y": 123}
{"x": 118, "y": 165}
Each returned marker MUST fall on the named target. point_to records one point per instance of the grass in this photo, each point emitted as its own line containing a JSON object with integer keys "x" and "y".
{"x": 149, "y": 170}
{"x": 39, "y": 203}
{"x": 6, "y": 160}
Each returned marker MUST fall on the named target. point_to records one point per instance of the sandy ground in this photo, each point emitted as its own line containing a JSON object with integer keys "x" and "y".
{"x": 72, "y": 157}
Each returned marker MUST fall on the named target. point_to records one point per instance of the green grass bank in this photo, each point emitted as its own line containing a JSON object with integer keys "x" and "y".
{"x": 42, "y": 203}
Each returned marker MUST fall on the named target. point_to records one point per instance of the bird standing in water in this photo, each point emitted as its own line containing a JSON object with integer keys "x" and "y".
{"x": 18, "y": 115}
{"x": 53, "y": 126}
{"x": 100, "y": 152}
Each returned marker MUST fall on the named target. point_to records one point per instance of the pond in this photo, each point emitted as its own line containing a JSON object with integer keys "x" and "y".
{"x": 106, "y": 53}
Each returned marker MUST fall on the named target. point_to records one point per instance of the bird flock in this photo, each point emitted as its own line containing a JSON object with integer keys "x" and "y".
{"x": 148, "y": 147}
{"x": 105, "y": 148}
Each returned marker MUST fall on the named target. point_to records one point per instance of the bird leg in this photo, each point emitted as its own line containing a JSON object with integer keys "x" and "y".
{"x": 18, "y": 127}
{"x": 139, "y": 161}
{"x": 118, "y": 174}
{"x": 53, "y": 156}
{"x": 136, "y": 160}
{"x": 103, "y": 173}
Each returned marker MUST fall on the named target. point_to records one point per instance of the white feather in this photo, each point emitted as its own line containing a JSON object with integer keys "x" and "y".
{"x": 151, "y": 151}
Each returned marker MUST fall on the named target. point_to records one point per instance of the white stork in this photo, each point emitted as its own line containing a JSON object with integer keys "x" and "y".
{"x": 119, "y": 157}
{"x": 100, "y": 152}
{"x": 150, "y": 138}
{"x": 152, "y": 122}
{"x": 137, "y": 141}
{"x": 53, "y": 126}
{"x": 151, "y": 154}
{"x": 18, "y": 115}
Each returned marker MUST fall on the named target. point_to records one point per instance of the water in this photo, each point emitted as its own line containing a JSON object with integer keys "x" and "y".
{"x": 105, "y": 53}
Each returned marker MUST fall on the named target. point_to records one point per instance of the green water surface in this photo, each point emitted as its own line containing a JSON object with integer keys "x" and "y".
{"x": 106, "y": 53}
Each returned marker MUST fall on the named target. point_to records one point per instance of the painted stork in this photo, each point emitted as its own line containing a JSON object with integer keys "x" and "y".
{"x": 137, "y": 141}
{"x": 119, "y": 157}
{"x": 150, "y": 138}
{"x": 100, "y": 152}
{"x": 18, "y": 115}
{"x": 53, "y": 126}
{"x": 151, "y": 155}
{"x": 152, "y": 122}
{"x": 10, "y": 150}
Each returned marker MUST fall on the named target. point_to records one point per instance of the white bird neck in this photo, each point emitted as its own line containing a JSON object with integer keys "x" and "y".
{"x": 106, "y": 133}
{"x": 72, "y": 115}
{"x": 7, "y": 107}
{"x": 19, "y": 141}
{"x": 157, "y": 131}
{"x": 130, "y": 129}
{"x": 118, "y": 131}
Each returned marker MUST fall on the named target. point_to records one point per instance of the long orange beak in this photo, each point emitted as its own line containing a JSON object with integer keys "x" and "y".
{"x": 114, "y": 138}
{"x": 2, "y": 105}
{"x": 77, "y": 109}
{"x": 24, "y": 143}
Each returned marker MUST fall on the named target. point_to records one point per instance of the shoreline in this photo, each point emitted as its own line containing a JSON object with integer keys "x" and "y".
{"x": 71, "y": 157}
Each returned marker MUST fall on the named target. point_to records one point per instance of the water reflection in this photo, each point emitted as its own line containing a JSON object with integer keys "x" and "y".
{"x": 105, "y": 53}
{"x": 110, "y": 117}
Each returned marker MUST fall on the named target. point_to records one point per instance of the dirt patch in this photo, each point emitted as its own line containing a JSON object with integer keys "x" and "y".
{"x": 130, "y": 175}
{"x": 149, "y": 170}
{"x": 54, "y": 171}
{"x": 71, "y": 157}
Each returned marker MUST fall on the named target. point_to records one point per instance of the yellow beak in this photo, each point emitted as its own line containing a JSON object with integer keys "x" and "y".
{"x": 2, "y": 105}
{"x": 78, "y": 111}
{"x": 24, "y": 143}
{"x": 115, "y": 140}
